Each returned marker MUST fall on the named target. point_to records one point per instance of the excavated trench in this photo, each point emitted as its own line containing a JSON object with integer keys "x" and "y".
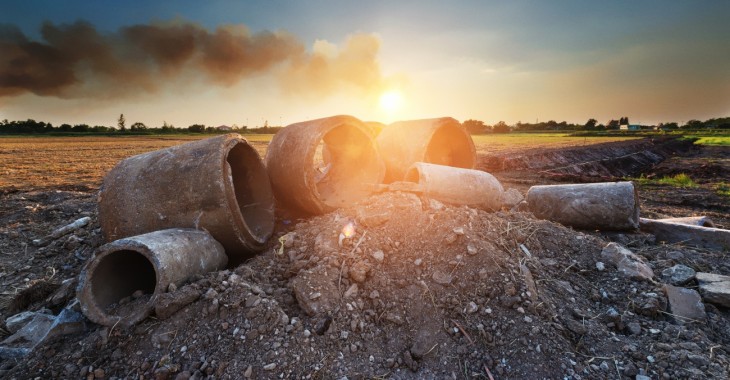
{"x": 606, "y": 161}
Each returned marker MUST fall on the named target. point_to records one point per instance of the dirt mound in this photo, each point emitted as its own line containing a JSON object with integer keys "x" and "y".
{"x": 591, "y": 163}
{"x": 420, "y": 290}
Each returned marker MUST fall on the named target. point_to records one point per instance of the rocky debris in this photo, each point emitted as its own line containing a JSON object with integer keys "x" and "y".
{"x": 714, "y": 288}
{"x": 627, "y": 263}
{"x": 684, "y": 304}
{"x": 316, "y": 290}
{"x": 678, "y": 275}
{"x": 168, "y": 304}
{"x": 39, "y": 328}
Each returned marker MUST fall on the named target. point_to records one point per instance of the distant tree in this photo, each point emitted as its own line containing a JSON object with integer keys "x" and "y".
{"x": 668, "y": 126}
{"x": 120, "y": 123}
{"x": 590, "y": 124}
{"x": 613, "y": 124}
{"x": 65, "y": 128}
{"x": 196, "y": 128}
{"x": 138, "y": 127}
{"x": 474, "y": 127}
{"x": 623, "y": 121}
{"x": 694, "y": 124}
{"x": 500, "y": 127}
{"x": 81, "y": 128}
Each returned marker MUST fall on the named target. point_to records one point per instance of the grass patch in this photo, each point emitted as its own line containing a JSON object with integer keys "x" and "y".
{"x": 723, "y": 188}
{"x": 678, "y": 180}
{"x": 713, "y": 140}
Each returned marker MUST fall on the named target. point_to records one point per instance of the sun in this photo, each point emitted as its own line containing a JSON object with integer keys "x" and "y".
{"x": 390, "y": 101}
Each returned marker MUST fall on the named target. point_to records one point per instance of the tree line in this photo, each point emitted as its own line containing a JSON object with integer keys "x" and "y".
{"x": 479, "y": 127}
{"x": 31, "y": 126}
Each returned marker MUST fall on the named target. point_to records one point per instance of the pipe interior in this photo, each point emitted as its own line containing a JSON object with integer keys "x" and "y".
{"x": 119, "y": 274}
{"x": 253, "y": 190}
{"x": 450, "y": 146}
{"x": 346, "y": 166}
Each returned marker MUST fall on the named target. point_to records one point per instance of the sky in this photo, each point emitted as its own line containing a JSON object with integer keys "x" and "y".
{"x": 281, "y": 62}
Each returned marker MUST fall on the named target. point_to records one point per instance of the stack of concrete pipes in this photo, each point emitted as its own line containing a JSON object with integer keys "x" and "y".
{"x": 170, "y": 214}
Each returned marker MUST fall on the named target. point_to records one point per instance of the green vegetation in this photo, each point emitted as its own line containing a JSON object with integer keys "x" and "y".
{"x": 677, "y": 180}
{"x": 713, "y": 140}
{"x": 723, "y": 188}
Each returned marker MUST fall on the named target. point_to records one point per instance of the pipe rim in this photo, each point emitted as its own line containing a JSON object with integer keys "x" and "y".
{"x": 85, "y": 294}
{"x": 244, "y": 232}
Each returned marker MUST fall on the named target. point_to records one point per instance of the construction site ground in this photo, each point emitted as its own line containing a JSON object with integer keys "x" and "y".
{"x": 422, "y": 290}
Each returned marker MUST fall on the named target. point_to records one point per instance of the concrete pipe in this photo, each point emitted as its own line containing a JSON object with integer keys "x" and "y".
{"x": 319, "y": 165}
{"x": 437, "y": 141}
{"x": 121, "y": 283}
{"x": 456, "y": 185}
{"x": 593, "y": 206}
{"x": 671, "y": 231}
{"x": 217, "y": 184}
{"x": 702, "y": 221}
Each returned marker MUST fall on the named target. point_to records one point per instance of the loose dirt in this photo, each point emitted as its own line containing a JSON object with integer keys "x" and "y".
{"x": 422, "y": 290}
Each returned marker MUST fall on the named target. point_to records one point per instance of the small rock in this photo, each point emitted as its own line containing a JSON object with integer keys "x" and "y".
{"x": 359, "y": 271}
{"x": 471, "y": 250}
{"x": 168, "y": 304}
{"x": 351, "y": 291}
{"x": 99, "y": 373}
{"x": 600, "y": 266}
{"x": 627, "y": 263}
{"x": 417, "y": 262}
{"x": 270, "y": 367}
{"x": 459, "y": 231}
{"x": 248, "y": 372}
{"x": 714, "y": 288}
{"x": 471, "y": 308}
{"x": 685, "y": 305}
{"x": 634, "y": 328}
{"x": 441, "y": 278}
{"x": 678, "y": 275}
{"x": 435, "y": 205}
{"x": 379, "y": 256}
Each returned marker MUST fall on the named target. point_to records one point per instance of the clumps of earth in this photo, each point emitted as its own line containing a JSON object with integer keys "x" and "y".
{"x": 419, "y": 290}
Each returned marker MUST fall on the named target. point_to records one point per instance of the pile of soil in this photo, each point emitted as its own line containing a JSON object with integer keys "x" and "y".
{"x": 420, "y": 290}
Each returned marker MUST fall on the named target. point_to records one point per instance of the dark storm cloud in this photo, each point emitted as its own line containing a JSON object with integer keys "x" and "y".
{"x": 77, "y": 61}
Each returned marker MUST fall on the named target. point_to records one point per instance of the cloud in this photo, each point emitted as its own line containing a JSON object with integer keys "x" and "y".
{"x": 78, "y": 61}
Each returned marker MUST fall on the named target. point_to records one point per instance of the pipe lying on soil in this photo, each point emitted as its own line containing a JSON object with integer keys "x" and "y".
{"x": 702, "y": 221}
{"x": 440, "y": 141}
{"x": 456, "y": 185}
{"x": 592, "y": 206}
{"x": 125, "y": 277}
{"x": 674, "y": 232}
{"x": 217, "y": 184}
{"x": 319, "y": 165}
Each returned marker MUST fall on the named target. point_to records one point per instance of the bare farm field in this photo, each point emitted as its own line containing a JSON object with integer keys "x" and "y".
{"x": 420, "y": 290}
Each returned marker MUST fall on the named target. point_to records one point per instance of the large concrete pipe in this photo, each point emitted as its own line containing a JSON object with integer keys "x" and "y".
{"x": 592, "y": 206}
{"x": 217, "y": 184}
{"x": 457, "y": 185}
{"x": 319, "y": 165}
{"x": 121, "y": 283}
{"x": 437, "y": 141}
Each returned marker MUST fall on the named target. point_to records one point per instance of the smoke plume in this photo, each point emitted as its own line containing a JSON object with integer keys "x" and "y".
{"x": 77, "y": 61}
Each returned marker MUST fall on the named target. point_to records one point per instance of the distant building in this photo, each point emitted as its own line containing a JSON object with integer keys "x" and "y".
{"x": 224, "y": 128}
{"x": 630, "y": 127}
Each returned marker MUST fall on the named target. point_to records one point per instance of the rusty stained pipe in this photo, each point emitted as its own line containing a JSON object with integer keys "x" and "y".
{"x": 147, "y": 263}
{"x": 441, "y": 141}
{"x": 457, "y": 185}
{"x": 591, "y": 206}
{"x": 319, "y": 165}
{"x": 217, "y": 184}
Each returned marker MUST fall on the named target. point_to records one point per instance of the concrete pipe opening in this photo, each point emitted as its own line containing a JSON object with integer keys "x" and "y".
{"x": 344, "y": 168}
{"x": 319, "y": 165}
{"x": 117, "y": 277}
{"x": 449, "y": 146}
{"x": 252, "y": 191}
{"x": 443, "y": 141}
